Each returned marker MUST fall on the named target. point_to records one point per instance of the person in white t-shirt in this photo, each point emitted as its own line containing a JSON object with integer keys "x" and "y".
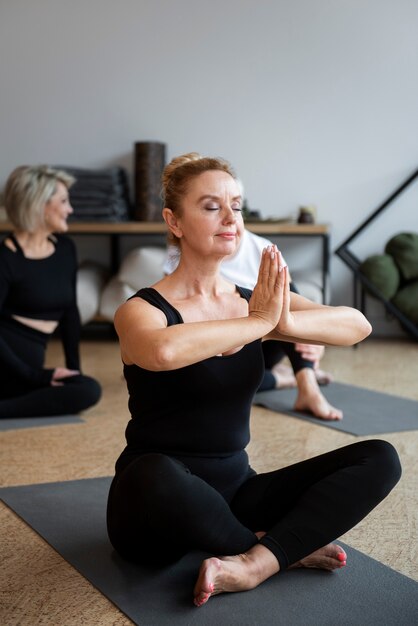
{"x": 305, "y": 374}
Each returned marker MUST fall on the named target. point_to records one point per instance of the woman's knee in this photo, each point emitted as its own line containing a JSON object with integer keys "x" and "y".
{"x": 386, "y": 462}
{"x": 87, "y": 391}
{"x": 152, "y": 473}
{"x": 93, "y": 390}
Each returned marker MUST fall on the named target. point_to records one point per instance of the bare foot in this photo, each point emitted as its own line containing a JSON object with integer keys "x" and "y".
{"x": 322, "y": 377}
{"x": 311, "y": 399}
{"x": 234, "y": 573}
{"x": 285, "y": 378}
{"x": 318, "y": 405}
{"x": 329, "y": 557}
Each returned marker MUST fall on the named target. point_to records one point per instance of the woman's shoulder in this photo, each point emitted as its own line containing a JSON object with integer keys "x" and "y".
{"x": 7, "y": 243}
{"x": 65, "y": 247}
{"x": 62, "y": 241}
{"x": 10, "y": 260}
{"x": 8, "y": 249}
{"x": 152, "y": 297}
{"x": 140, "y": 308}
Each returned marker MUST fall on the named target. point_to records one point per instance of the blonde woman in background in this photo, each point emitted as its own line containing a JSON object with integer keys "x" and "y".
{"x": 38, "y": 269}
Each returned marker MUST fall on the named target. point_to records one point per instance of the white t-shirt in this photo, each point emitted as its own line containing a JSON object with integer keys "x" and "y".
{"x": 241, "y": 268}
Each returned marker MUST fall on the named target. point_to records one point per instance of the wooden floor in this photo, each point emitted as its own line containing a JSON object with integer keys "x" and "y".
{"x": 38, "y": 587}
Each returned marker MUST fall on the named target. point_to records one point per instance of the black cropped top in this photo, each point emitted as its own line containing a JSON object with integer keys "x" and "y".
{"x": 202, "y": 409}
{"x": 42, "y": 289}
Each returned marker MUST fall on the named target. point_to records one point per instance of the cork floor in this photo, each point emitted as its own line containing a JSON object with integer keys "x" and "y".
{"x": 38, "y": 587}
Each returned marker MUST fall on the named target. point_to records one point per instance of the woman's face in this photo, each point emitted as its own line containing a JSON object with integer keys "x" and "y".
{"x": 57, "y": 210}
{"x": 211, "y": 219}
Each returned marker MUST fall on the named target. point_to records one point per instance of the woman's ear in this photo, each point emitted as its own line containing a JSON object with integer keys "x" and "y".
{"x": 172, "y": 222}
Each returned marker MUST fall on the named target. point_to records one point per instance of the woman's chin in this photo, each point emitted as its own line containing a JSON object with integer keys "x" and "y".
{"x": 62, "y": 227}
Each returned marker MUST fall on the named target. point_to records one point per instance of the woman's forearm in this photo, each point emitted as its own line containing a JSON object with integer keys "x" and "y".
{"x": 337, "y": 326}
{"x": 184, "y": 344}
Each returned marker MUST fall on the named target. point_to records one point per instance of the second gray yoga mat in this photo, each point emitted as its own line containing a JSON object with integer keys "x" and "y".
{"x": 13, "y": 423}
{"x": 366, "y": 412}
{"x": 71, "y": 517}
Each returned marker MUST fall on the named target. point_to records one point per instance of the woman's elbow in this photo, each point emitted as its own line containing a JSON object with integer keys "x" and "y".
{"x": 363, "y": 327}
{"x": 155, "y": 355}
{"x": 162, "y": 358}
{"x": 367, "y": 329}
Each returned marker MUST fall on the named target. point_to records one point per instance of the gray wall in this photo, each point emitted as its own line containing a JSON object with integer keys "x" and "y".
{"x": 313, "y": 101}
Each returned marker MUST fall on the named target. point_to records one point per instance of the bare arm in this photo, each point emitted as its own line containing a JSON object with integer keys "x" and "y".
{"x": 303, "y": 321}
{"x": 146, "y": 340}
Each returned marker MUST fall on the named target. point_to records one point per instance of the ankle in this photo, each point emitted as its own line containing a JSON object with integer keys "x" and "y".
{"x": 306, "y": 380}
{"x": 260, "y": 563}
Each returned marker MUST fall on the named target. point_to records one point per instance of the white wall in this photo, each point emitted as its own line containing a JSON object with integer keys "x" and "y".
{"x": 313, "y": 101}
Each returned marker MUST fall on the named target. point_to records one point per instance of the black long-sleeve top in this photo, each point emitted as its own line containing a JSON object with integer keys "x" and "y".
{"x": 42, "y": 289}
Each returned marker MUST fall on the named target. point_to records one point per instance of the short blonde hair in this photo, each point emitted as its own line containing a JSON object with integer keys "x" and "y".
{"x": 27, "y": 191}
{"x": 179, "y": 172}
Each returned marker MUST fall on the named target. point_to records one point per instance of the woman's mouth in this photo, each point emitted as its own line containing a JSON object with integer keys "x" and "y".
{"x": 227, "y": 235}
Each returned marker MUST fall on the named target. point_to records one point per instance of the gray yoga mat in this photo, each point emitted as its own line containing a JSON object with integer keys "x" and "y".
{"x": 365, "y": 412}
{"x": 71, "y": 517}
{"x": 12, "y": 423}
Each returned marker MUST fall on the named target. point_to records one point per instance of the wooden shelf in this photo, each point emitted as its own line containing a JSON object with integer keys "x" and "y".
{"x": 268, "y": 227}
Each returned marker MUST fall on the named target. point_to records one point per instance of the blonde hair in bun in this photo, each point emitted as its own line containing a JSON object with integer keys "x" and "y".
{"x": 178, "y": 173}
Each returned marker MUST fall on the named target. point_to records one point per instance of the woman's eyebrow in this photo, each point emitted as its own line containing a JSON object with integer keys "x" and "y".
{"x": 214, "y": 197}
{"x": 208, "y": 197}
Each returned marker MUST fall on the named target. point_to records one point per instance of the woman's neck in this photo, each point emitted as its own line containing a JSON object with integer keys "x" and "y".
{"x": 36, "y": 245}
{"x": 197, "y": 277}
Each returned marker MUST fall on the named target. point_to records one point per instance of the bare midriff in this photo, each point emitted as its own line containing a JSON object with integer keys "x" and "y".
{"x": 45, "y": 326}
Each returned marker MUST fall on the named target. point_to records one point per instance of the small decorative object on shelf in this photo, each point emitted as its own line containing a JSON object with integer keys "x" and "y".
{"x": 250, "y": 215}
{"x": 306, "y": 215}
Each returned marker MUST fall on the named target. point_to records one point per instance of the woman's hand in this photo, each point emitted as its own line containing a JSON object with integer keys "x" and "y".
{"x": 270, "y": 299}
{"x": 60, "y": 373}
{"x": 310, "y": 352}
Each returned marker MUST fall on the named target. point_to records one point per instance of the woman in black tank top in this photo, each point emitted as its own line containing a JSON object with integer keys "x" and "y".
{"x": 191, "y": 348}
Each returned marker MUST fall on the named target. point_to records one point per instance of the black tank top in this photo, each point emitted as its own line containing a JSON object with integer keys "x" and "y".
{"x": 198, "y": 410}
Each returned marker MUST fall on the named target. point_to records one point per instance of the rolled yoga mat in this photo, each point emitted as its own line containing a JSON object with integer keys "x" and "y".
{"x": 149, "y": 165}
{"x": 366, "y": 412}
{"x": 71, "y": 517}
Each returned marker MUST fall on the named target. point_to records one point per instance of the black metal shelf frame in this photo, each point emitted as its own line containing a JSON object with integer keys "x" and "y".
{"x": 361, "y": 282}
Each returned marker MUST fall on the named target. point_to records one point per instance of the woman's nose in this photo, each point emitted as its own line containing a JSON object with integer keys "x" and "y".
{"x": 229, "y": 215}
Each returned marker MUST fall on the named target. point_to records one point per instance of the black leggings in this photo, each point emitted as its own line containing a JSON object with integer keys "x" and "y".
{"x": 18, "y": 398}
{"x": 77, "y": 393}
{"x": 158, "y": 510}
{"x": 273, "y": 352}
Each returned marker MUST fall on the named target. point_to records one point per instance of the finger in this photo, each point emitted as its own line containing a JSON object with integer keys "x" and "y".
{"x": 282, "y": 262}
{"x": 286, "y": 290}
{"x": 306, "y": 352}
{"x": 306, "y": 348}
{"x": 274, "y": 265}
{"x": 280, "y": 277}
{"x": 263, "y": 265}
{"x": 268, "y": 267}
